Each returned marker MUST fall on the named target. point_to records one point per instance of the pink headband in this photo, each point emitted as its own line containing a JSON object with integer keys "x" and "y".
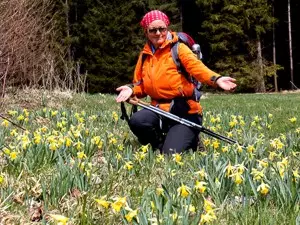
{"x": 154, "y": 15}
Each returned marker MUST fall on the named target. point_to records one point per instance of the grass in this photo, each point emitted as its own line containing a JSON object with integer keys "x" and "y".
{"x": 78, "y": 163}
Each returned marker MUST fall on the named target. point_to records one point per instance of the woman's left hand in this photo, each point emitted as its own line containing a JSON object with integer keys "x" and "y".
{"x": 226, "y": 83}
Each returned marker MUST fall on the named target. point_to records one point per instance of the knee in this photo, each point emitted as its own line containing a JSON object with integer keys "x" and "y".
{"x": 135, "y": 121}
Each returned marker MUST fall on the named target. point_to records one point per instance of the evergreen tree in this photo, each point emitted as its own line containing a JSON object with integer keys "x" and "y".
{"x": 108, "y": 41}
{"x": 234, "y": 30}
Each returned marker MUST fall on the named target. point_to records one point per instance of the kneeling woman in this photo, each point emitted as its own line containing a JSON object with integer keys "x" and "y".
{"x": 156, "y": 75}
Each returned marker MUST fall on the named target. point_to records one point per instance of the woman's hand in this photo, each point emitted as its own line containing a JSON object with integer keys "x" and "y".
{"x": 226, "y": 83}
{"x": 125, "y": 93}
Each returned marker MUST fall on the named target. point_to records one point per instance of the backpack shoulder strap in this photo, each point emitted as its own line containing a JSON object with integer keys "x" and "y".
{"x": 175, "y": 57}
{"x": 180, "y": 67}
{"x": 144, "y": 57}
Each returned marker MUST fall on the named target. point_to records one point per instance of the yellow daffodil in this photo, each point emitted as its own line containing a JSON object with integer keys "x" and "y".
{"x": 92, "y": 117}
{"x": 54, "y": 113}
{"x": 37, "y": 138}
{"x": 78, "y": 145}
{"x": 115, "y": 116}
{"x": 159, "y": 191}
{"x": 2, "y": 179}
{"x": 128, "y": 165}
{"x": 213, "y": 129}
{"x": 130, "y": 215}
{"x": 173, "y": 173}
{"x": 5, "y": 123}
{"x": 145, "y": 148}
{"x": 177, "y": 158}
{"x": 293, "y": 120}
{"x": 118, "y": 156}
{"x": 237, "y": 178}
{"x": 202, "y": 174}
{"x": 53, "y": 146}
{"x": 277, "y": 144}
{"x": 61, "y": 220}
{"x": 263, "y": 163}
{"x": 14, "y": 132}
{"x": 119, "y": 203}
{"x": 192, "y": 209}
{"x": 239, "y": 149}
{"x": 281, "y": 169}
{"x": 20, "y": 118}
{"x": 68, "y": 141}
{"x": 113, "y": 141}
{"x": 120, "y": 147}
{"x": 225, "y": 149}
{"x": 206, "y": 142}
{"x": 174, "y": 216}
{"x": 207, "y": 218}
{"x": 250, "y": 148}
{"x": 229, "y": 169}
{"x": 95, "y": 140}
{"x": 139, "y": 156}
{"x": 242, "y": 123}
{"x": 103, "y": 203}
{"x": 13, "y": 155}
{"x": 160, "y": 158}
{"x": 257, "y": 119}
{"x": 152, "y": 205}
{"x": 44, "y": 129}
{"x": 208, "y": 205}
{"x": 263, "y": 188}
{"x": 229, "y": 134}
{"x": 272, "y": 155}
{"x": 213, "y": 119}
{"x": 12, "y": 112}
{"x": 233, "y": 123}
{"x": 215, "y": 144}
{"x": 200, "y": 186}
{"x": 81, "y": 155}
{"x": 6, "y": 150}
{"x": 285, "y": 162}
{"x": 80, "y": 119}
{"x": 240, "y": 168}
{"x": 296, "y": 175}
{"x": 183, "y": 191}
{"x": 257, "y": 175}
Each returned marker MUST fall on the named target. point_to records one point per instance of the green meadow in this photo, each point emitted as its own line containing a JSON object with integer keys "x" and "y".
{"x": 70, "y": 159}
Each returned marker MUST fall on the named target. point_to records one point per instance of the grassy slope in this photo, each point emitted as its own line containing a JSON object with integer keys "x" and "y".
{"x": 282, "y": 106}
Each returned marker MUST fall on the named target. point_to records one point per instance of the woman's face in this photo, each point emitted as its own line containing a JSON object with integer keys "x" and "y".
{"x": 157, "y": 32}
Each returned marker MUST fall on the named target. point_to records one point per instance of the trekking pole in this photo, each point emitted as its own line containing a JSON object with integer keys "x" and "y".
{"x": 135, "y": 101}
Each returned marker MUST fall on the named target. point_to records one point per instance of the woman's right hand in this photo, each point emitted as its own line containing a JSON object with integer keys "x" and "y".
{"x": 125, "y": 93}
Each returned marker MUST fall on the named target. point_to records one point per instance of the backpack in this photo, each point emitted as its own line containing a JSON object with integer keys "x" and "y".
{"x": 188, "y": 41}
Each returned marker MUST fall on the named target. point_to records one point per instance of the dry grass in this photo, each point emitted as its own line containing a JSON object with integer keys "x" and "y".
{"x": 34, "y": 98}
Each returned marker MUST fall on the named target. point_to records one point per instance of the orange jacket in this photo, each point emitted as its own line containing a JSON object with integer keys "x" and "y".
{"x": 158, "y": 76}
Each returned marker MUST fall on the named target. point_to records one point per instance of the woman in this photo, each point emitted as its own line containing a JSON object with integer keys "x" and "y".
{"x": 156, "y": 75}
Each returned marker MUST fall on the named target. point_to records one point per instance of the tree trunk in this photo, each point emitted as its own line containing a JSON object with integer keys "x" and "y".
{"x": 260, "y": 86}
{"x": 290, "y": 44}
{"x": 274, "y": 55}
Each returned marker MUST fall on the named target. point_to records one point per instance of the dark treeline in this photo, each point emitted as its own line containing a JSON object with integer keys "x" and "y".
{"x": 104, "y": 38}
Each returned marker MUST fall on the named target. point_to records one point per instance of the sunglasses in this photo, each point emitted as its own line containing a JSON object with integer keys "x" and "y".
{"x": 155, "y": 29}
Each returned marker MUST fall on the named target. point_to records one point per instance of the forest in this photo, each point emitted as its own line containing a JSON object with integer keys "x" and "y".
{"x": 93, "y": 46}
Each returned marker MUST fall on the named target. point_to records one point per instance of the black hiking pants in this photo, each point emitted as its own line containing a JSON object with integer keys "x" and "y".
{"x": 167, "y": 135}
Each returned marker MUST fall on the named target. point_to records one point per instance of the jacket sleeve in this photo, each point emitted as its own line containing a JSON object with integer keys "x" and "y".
{"x": 138, "y": 86}
{"x": 195, "y": 66}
